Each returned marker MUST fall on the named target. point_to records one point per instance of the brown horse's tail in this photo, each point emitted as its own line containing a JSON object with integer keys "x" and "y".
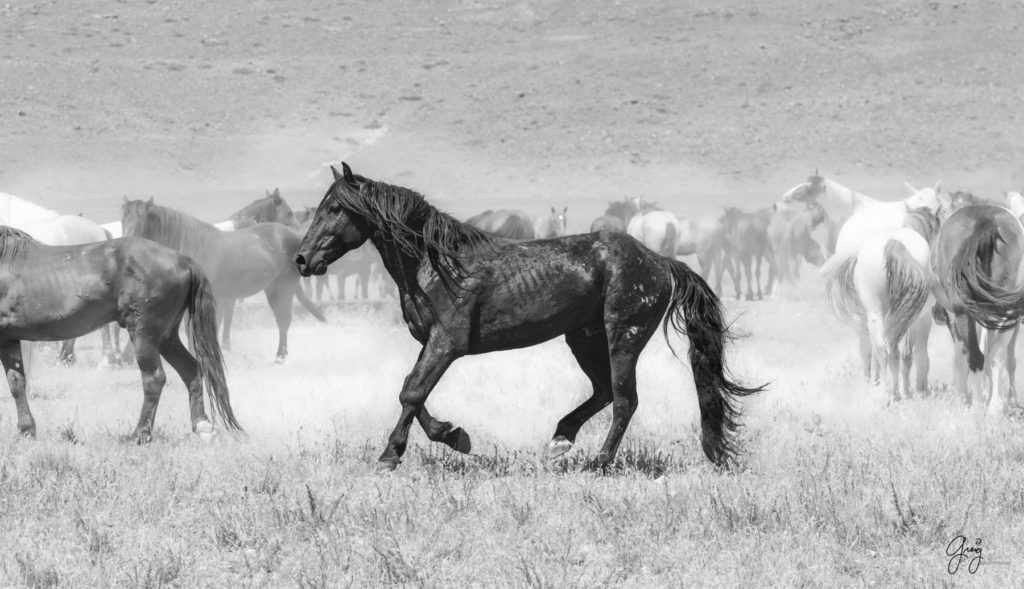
{"x": 310, "y": 306}
{"x": 696, "y": 312}
{"x": 669, "y": 243}
{"x": 202, "y": 324}
{"x": 907, "y": 287}
{"x": 990, "y": 304}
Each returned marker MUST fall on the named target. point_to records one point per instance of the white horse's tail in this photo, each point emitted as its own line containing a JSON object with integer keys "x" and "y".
{"x": 840, "y": 289}
{"x": 907, "y": 287}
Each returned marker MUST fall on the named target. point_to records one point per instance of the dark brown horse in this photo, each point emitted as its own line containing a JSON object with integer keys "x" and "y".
{"x": 977, "y": 265}
{"x": 465, "y": 292}
{"x": 56, "y": 293}
{"x": 508, "y": 223}
{"x": 616, "y": 216}
{"x": 238, "y": 263}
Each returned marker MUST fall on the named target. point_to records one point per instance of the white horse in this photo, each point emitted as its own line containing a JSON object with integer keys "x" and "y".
{"x": 1015, "y": 202}
{"x": 657, "y": 229}
{"x": 551, "y": 225}
{"x": 892, "y": 280}
{"x": 52, "y": 228}
{"x": 861, "y": 216}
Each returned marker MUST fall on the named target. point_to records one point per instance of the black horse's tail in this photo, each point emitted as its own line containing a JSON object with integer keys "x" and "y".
{"x": 310, "y": 306}
{"x": 696, "y": 312}
{"x": 993, "y": 305}
{"x": 907, "y": 287}
{"x": 202, "y": 324}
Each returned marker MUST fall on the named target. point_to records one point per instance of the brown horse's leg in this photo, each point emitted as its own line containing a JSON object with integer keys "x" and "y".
{"x": 591, "y": 352}
{"x": 434, "y": 359}
{"x": 14, "y": 367}
{"x": 185, "y": 365}
{"x": 226, "y": 310}
{"x": 279, "y": 296}
{"x": 153, "y": 378}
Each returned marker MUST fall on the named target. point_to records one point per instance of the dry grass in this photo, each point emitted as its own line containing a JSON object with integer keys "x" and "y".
{"x": 836, "y": 490}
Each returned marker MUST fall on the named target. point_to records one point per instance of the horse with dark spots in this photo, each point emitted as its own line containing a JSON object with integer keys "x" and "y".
{"x": 463, "y": 291}
{"x": 56, "y": 293}
{"x": 238, "y": 263}
{"x": 977, "y": 265}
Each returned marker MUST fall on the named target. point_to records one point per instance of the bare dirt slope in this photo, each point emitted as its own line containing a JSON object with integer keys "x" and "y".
{"x": 203, "y": 104}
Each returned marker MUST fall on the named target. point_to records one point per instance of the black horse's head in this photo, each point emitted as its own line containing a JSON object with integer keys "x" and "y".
{"x": 135, "y": 217}
{"x": 336, "y": 228}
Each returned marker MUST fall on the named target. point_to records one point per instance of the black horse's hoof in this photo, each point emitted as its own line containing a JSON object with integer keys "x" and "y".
{"x": 387, "y": 466}
{"x": 458, "y": 440}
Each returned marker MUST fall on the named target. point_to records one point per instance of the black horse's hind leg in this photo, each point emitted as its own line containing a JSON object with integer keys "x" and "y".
{"x": 153, "y": 378}
{"x": 626, "y": 340}
{"x": 14, "y": 367}
{"x": 442, "y": 431}
{"x": 226, "y": 310}
{"x": 434, "y": 359}
{"x": 279, "y": 296}
{"x": 185, "y": 365}
{"x": 591, "y": 352}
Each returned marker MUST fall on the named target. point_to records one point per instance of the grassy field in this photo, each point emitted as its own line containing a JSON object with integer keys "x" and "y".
{"x": 835, "y": 488}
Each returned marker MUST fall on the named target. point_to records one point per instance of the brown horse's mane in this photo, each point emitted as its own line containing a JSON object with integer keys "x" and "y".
{"x": 13, "y": 243}
{"x": 177, "y": 230}
{"x": 416, "y": 228}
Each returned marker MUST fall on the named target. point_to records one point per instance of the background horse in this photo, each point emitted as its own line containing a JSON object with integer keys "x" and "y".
{"x": 508, "y": 223}
{"x": 551, "y": 225}
{"x": 145, "y": 287}
{"x": 272, "y": 208}
{"x": 238, "y": 263}
{"x": 748, "y": 236}
{"x": 977, "y": 261}
{"x": 705, "y": 237}
{"x": 463, "y": 292}
{"x": 892, "y": 279}
{"x": 866, "y": 216}
{"x": 615, "y": 217}
{"x": 790, "y": 232}
{"x": 658, "y": 229}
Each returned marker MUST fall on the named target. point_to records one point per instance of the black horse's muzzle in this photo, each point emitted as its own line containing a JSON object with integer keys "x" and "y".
{"x": 310, "y": 267}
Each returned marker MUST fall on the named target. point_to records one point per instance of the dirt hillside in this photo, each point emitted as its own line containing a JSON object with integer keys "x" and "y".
{"x": 484, "y": 102}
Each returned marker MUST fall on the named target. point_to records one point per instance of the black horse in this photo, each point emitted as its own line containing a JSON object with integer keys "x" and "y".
{"x": 55, "y": 293}
{"x": 464, "y": 291}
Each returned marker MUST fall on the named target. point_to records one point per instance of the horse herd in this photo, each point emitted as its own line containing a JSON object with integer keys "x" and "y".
{"x": 503, "y": 280}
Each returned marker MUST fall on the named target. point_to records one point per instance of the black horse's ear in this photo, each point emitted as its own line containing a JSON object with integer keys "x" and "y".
{"x": 553, "y": 210}
{"x": 349, "y": 176}
{"x": 150, "y": 201}
{"x": 565, "y": 209}
{"x": 125, "y": 197}
{"x": 337, "y": 174}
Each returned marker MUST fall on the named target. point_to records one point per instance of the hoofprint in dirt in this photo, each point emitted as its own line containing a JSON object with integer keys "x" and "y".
{"x": 835, "y": 489}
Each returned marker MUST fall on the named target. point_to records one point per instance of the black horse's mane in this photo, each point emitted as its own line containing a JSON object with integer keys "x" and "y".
{"x": 416, "y": 228}
{"x": 177, "y": 230}
{"x": 13, "y": 243}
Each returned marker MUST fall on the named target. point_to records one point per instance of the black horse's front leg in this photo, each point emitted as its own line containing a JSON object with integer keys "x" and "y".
{"x": 435, "y": 357}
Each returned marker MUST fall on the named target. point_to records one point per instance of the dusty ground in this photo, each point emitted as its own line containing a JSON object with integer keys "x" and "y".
{"x": 480, "y": 104}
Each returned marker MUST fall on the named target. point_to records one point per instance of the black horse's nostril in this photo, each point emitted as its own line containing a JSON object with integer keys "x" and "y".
{"x": 300, "y": 260}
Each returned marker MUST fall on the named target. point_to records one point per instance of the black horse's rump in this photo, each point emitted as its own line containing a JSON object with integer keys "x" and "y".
{"x": 465, "y": 292}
